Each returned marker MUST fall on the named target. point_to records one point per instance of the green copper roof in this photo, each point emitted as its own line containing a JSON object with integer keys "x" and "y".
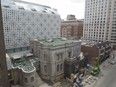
{"x": 54, "y": 42}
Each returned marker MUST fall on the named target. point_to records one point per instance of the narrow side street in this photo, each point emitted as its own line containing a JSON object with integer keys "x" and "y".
{"x": 109, "y": 75}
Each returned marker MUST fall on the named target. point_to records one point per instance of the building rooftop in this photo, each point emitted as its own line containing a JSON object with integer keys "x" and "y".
{"x": 23, "y": 60}
{"x": 24, "y": 64}
{"x": 93, "y": 43}
{"x": 56, "y": 41}
{"x": 72, "y": 21}
{"x": 28, "y": 6}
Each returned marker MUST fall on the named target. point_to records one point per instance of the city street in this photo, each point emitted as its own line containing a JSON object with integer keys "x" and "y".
{"x": 109, "y": 75}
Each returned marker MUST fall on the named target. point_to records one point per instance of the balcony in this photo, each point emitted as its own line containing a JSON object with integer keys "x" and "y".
{"x": 102, "y": 53}
{"x": 106, "y": 51}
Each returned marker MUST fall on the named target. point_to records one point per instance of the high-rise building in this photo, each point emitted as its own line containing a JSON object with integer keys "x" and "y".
{"x": 100, "y": 20}
{"x": 24, "y": 21}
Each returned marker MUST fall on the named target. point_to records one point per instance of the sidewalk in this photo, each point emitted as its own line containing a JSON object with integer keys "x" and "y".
{"x": 90, "y": 81}
{"x": 108, "y": 74}
{"x": 106, "y": 67}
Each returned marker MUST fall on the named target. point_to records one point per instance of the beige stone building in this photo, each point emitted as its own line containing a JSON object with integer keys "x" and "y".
{"x": 52, "y": 53}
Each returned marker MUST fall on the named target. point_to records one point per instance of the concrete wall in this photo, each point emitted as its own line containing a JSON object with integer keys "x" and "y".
{"x": 30, "y": 82}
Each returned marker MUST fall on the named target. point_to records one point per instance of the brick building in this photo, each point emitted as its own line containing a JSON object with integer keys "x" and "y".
{"x": 71, "y": 17}
{"x": 94, "y": 50}
{"x": 72, "y": 29}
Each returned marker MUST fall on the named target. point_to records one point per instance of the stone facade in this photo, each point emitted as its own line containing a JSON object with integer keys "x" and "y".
{"x": 25, "y": 79}
{"x": 52, "y": 57}
{"x": 24, "y": 70}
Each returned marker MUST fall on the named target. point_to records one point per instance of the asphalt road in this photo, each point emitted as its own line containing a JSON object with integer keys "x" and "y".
{"x": 109, "y": 78}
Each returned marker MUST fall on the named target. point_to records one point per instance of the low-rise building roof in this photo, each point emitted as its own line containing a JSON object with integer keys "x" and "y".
{"x": 93, "y": 43}
{"x": 56, "y": 41}
{"x": 20, "y": 60}
{"x": 25, "y": 65}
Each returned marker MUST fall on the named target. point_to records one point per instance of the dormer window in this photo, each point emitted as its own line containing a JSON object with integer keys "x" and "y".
{"x": 45, "y": 8}
{"x": 33, "y": 9}
{"x": 21, "y": 8}
{"x": 44, "y": 11}
{"x": 52, "y": 12}
{"x": 6, "y": 6}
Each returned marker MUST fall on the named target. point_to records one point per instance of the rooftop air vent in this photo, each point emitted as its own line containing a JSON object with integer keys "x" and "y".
{"x": 50, "y": 40}
{"x": 35, "y": 40}
{"x": 64, "y": 39}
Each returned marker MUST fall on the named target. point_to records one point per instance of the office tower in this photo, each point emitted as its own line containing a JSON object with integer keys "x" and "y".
{"x": 100, "y": 20}
{"x": 24, "y": 21}
{"x": 3, "y": 68}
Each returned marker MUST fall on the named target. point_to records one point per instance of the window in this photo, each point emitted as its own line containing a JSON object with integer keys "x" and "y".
{"x": 6, "y": 6}
{"x": 45, "y": 57}
{"x": 21, "y": 8}
{"x": 25, "y": 79}
{"x": 44, "y": 11}
{"x": 59, "y": 56}
{"x": 32, "y": 79}
{"x": 61, "y": 66}
{"x": 45, "y": 68}
{"x": 57, "y": 67}
{"x": 32, "y": 50}
{"x": 52, "y": 12}
{"x": 69, "y": 54}
{"x": 33, "y": 9}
